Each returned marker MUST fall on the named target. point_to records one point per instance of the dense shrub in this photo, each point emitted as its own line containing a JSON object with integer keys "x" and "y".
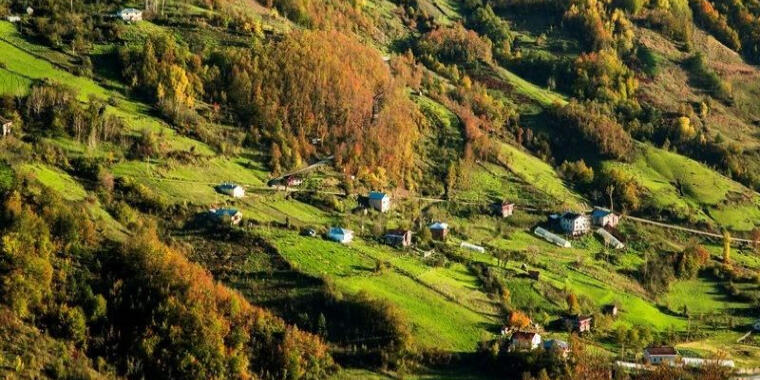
{"x": 455, "y": 45}
{"x": 603, "y": 77}
{"x": 345, "y": 98}
{"x": 709, "y": 18}
{"x": 590, "y": 123}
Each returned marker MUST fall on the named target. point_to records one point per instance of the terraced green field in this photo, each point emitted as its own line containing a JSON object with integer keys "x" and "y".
{"x": 437, "y": 321}
{"x": 674, "y": 182}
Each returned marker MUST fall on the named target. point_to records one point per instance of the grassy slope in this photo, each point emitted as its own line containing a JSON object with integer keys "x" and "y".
{"x": 436, "y": 321}
{"x": 677, "y": 183}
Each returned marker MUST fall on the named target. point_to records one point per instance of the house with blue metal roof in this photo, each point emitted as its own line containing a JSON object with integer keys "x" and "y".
{"x": 226, "y": 215}
{"x": 340, "y": 235}
{"x": 379, "y": 201}
{"x": 231, "y": 189}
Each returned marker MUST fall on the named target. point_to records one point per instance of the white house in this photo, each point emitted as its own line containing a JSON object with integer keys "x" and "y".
{"x": 340, "y": 235}
{"x": 14, "y": 18}
{"x": 130, "y": 14}
{"x": 603, "y": 217}
{"x": 574, "y": 224}
{"x": 525, "y": 341}
{"x": 661, "y": 355}
{"x": 231, "y": 189}
{"x": 7, "y": 124}
{"x": 379, "y": 201}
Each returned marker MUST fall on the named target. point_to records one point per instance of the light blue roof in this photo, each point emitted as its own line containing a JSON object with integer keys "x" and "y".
{"x": 598, "y": 213}
{"x": 551, "y": 343}
{"x": 376, "y": 195}
{"x": 338, "y": 231}
{"x": 225, "y": 212}
{"x": 439, "y": 226}
{"x": 228, "y": 185}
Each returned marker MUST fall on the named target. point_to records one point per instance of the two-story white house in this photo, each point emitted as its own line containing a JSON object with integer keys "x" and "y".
{"x": 574, "y": 224}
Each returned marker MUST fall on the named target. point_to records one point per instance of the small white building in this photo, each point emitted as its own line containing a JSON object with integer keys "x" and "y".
{"x": 6, "y": 124}
{"x": 603, "y": 217}
{"x": 130, "y": 14}
{"x": 14, "y": 18}
{"x": 522, "y": 341}
{"x": 231, "y": 189}
{"x": 661, "y": 355}
{"x": 379, "y": 201}
{"x": 574, "y": 224}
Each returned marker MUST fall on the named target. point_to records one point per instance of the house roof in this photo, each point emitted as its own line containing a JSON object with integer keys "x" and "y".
{"x": 4, "y": 120}
{"x": 339, "y": 231}
{"x": 439, "y": 226}
{"x": 600, "y": 212}
{"x": 397, "y": 232}
{"x": 228, "y": 185}
{"x": 225, "y": 212}
{"x": 661, "y": 350}
{"x": 579, "y": 318}
{"x": 376, "y": 195}
{"x": 523, "y": 335}
{"x": 571, "y": 215}
{"x": 552, "y": 343}
{"x": 130, "y": 10}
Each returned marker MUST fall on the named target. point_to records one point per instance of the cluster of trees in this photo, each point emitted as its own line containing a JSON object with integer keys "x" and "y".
{"x": 599, "y": 26}
{"x": 590, "y": 123}
{"x": 743, "y": 19}
{"x": 603, "y": 77}
{"x": 53, "y": 109}
{"x": 709, "y": 18}
{"x": 488, "y": 24}
{"x": 454, "y": 45}
{"x": 166, "y": 73}
{"x": 345, "y": 102}
{"x": 140, "y": 306}
{"x": 660, "y": 270}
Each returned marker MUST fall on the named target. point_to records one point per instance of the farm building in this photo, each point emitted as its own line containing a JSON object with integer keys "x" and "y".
{"x": 534, "y": 274}
{"x": 525, "y": 341}
{"x": 14, "y": 18}
{"x": 559, "y": 346}
{"x": 472, "y": 247}
{"x": 7, "y": 124}
{"x": 608, "y": 239}
{"x": 292, "y": 181}
{"x": 226, "y": 215}
{"x": 610, "y": 309}
{"x": 603, "y": 217}
{"x": 574, "y": 224}
{"x": 698, "y": 362}
{"x": 130, "y": 14}
{"x": 552, "y": 238}
{"x": 579, "y": 323}
{"x": 231, "y": 189}
{"x": 439, "y": 230}
{"x": 503, "y": 209}
{"x": 398, "y": 238}
{"x": 340, "y": 235}
{"x": 379, "y": 201}
{"x": 660, "y": 355}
